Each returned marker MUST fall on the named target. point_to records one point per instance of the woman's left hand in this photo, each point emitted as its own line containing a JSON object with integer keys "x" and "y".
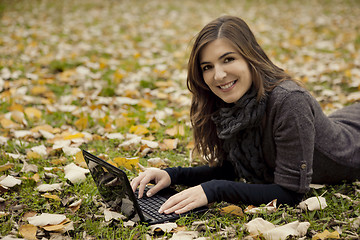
{"x": 185, "y": 201}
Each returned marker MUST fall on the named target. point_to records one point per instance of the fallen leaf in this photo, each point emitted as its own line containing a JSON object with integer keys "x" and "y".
{"x": 184, "y": 235}
{"x": 313, "y": 203}
{"x": 109, "y": 215}
{"x": 177, "y": 130}
{"x": 81, "y": 123}
{"x": 270, "y": 231}
{"x": 74, "y": 136}
{"x": 169, "y": 144}
{"x": 74, "y": 173}
{"x": 58, "y": 227}
{"x": 128, "y": 163}
{"x": 165, "y": 227}
{"x": 233, "y": 210}
{"x": 79, "y": 159}
{"x": 269, "y": 208}
{"x": 156, "y": 162}
{"x": 28, "y": 231}
{"x": 8, "y": 124}
{"x": 46, "y": 219}
{"x": 139, "y": 130}
{"x": 33, "y": 113}
{"x": 326, "y": 235}
{"x": 6, "y": 167}
{"x": 146, "y": 103}
{"x": 49, "y": 187}
{"x": 50, "y": 196}
{"x": 10, "y": 181}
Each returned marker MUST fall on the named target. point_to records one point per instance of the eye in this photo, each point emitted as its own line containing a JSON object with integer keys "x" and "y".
{"x": 206, "y": 67}
{"x": 229, "y": 59}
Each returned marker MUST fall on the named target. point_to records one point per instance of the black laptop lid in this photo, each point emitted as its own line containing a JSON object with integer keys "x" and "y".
{"x": 114, "y": 187}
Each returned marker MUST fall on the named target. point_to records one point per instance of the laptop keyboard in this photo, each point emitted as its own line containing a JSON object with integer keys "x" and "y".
{"x": 152, "y": 205}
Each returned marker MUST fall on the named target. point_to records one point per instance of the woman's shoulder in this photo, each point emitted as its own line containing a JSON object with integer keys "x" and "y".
{"x": 293, "y": 93}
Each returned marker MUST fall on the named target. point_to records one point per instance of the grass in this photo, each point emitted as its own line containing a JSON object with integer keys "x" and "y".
{"x": 51, "y": 39}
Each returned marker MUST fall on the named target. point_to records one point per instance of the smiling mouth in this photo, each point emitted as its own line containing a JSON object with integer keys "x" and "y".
{"x": 228, "y": 85}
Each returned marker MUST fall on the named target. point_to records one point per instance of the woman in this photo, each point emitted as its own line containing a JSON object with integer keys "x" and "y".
{"x": 253, "y": 122}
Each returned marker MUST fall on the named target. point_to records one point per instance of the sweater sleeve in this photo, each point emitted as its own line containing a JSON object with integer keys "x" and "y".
{"x": 192, "y": 176}
{"x": 294, "y": 136}
{"x": 255, "y": 194}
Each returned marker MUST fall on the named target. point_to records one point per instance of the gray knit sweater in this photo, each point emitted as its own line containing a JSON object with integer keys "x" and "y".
{"x": 305, "y": 146}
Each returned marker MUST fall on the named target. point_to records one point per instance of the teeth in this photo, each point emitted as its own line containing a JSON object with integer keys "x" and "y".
{"x": 227, "y": 85}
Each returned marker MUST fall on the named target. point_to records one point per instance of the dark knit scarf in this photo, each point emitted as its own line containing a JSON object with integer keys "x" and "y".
{"x": 239, "y": 127}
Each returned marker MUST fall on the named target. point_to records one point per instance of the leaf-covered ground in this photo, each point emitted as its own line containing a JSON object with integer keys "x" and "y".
{"x": 109, "y": 77}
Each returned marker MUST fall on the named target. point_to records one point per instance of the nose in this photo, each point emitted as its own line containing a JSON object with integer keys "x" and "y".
{"x": 220, "y": 74}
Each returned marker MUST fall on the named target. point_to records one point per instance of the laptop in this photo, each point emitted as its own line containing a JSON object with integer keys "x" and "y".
{"x": 114, "y": 187}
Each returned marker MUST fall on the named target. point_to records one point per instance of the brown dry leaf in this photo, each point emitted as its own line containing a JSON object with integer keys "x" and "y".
{"x": 326, "y": 235}
{"x": 33, "y": 113}
{"x": 165, "y": 227}
{"x": 28, "y": 231}
{"x": 46, "y": 128}
{"x": 139, "y": 130}
{"x": 16, "y": 107}
{"x": 233, "y": 210}
{"x": 75, "y": 205}
{"x": 58, "y": 227}
{"x": 81, "y": 123}
{"x": 6, "y": 167}
{"x": 18, "y": 117}
{"x": 176, "y": 130}
{"x": 269, "y": 208}
{"x": 168, "y": 144}
{"x": 128, "y": 163}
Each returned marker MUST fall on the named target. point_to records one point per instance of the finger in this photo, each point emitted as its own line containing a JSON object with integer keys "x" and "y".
{"x": 134, "y": 183}
{"x": 142, "y": 185}
{"x": 160, "y": 185}
{"x": 180, "y": 205}
{"x": 171, "y": 202}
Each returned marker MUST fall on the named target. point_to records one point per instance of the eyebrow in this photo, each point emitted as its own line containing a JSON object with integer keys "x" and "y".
{"x": 222, "y": 56}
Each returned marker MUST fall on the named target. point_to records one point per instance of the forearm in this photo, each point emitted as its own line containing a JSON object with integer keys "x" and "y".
{"x": 255, "y": 194}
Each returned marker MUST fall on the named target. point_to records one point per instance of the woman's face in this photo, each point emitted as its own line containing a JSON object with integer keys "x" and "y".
{"x": 224, "y": 70}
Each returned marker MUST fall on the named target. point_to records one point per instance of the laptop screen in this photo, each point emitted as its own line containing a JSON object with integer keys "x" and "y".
{"x": 112, "y": 187}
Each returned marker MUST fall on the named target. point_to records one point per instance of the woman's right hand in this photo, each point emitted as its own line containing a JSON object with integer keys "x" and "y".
{"x": 160, "y": 177}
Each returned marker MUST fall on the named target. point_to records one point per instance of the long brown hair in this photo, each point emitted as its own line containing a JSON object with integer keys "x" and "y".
{"x": 265, "y": 76}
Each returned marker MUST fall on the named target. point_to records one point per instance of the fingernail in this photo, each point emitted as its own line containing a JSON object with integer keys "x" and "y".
{"x": 149, "y": 194}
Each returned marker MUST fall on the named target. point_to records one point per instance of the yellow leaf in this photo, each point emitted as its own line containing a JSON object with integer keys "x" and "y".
{"x": 154, "y": 124}
{"x": 33, "y": 155}
{"x": 28, "y": 231}
{"x": 44, "y": 127}
{"x": 326, "y": 235}
{"x": 50, "y": 196}
{"x": 38, "y": 90}
{"x": 138, "y": 130}
{"x": 6, "y": 166}
{"x": 118, "y": 76}
{"x": 8, "y": 124}
{"x": 79, "y": 159}
{"x": 146, "y": 103}
{"x": 33, "y": 113}
{"x": 74, "y": 136}
{"x": 81, "y": 123}
{"x": 233, "y": 210}
{"x": 176, "y": 130}
{"x": 132, "y": 93}
{"x": 16, "y": 107}
{"x": 36, "y": 177}
{"x": 122, "y": 122}
{"x": 128, "y": 163}
{"x": 112, "y": 163}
